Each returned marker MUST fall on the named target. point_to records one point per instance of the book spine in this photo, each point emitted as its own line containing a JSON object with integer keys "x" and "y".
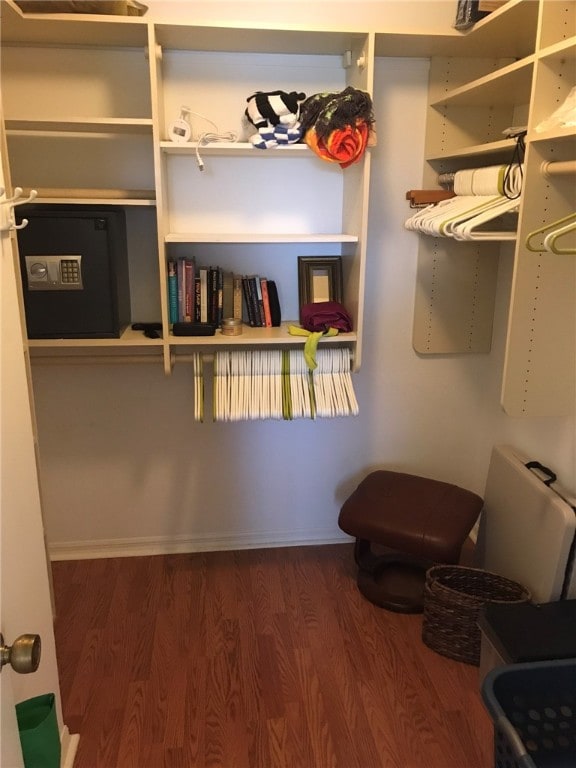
{"x": 237, "y": 300}
{"x": 172, "y": 292}
{"x": 197, "y": 299}
{"x": 266, "y": 302}
{"x": 203, "y": 294}
{"x": 259, "y": 301}
{"x": 254, "y": 300}
{"x": 189, "y": 291}
{"x": 181, "y": 273}
{"x": 214, "y": 294}
{"x": 247, "y": 300}
{"x": 220, "y": 296}
{"x": 275, "y": 312}
{"x": 227, "y": 294}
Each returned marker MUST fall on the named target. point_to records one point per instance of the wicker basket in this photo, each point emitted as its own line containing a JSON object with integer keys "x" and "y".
{"x": 453, "y": 598}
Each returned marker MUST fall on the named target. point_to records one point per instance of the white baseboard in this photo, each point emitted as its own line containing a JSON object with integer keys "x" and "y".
{"x": 169, "y": 545}
{"x": 69, "y": 746}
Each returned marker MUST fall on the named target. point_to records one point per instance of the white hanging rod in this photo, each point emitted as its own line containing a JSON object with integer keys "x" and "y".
{"x": 558, "y": 168}
{"x": 135, "y": 359}
{"x": 207, "y": 357}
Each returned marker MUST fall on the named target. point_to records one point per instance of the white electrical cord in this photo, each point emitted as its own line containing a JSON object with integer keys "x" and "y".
{"x": 209, "y": 137}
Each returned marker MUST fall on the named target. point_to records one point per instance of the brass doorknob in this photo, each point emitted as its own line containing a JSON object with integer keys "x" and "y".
{"x": 23, "y": 655}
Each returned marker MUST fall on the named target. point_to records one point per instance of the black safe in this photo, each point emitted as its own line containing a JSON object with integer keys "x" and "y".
{"x": 74, "y": 265}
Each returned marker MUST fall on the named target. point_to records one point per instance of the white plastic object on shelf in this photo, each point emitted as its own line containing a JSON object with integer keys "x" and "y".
{"x": 180, "y": 130}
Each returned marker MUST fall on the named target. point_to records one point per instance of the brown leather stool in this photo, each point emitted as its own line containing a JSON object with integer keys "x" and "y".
{"x": 422, "y": 521}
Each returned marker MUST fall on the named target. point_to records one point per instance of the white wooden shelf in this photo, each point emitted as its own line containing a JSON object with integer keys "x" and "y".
{"x": 129, "y": 338}
{"x": 493, "y": 149}
{"x": 296, "y": 39}
{"x": 74, "y": 196}
{"x": 83, "y": 125}
{"x": 565, "y": 49}
{"x": 253, "y": 237}
{"x": 507, "y": 31}
{"x": 87, "y": 200}
{"x": 260, "y": 336}
{"x": 562, "y": 134}
{"x": 507, "y": 86}
{"x": 135, "y": 339}
{"x": 238, "y": 149}
{"x": 70, "y": 29}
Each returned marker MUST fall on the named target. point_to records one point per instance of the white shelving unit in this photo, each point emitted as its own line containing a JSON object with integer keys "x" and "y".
{"x": 73, "y": 128}
{"x": 255, "y": 211}
{"x": 228, "y": 215}
{"x": 540, "y": 366}
{"x": 472, "y": 100}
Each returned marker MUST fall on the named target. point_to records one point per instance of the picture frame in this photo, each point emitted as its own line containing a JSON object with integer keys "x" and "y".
{"x": 319, "y": 279}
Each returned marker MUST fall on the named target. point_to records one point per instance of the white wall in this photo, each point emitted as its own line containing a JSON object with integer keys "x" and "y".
{"x": 125, "y": 468}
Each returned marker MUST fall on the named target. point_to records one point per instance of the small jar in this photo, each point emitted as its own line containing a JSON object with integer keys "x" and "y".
{"x": 231, "y": 326}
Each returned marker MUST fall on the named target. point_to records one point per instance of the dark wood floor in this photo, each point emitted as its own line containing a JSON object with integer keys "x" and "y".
{"x": 254, "y": 659}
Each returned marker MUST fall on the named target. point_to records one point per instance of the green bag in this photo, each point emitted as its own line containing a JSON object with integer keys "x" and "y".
{"x": 38, "y": 727}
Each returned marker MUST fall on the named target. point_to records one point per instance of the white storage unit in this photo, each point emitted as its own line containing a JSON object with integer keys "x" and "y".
{"x": 108, "y": 143}
{"x": 522, "y": 74}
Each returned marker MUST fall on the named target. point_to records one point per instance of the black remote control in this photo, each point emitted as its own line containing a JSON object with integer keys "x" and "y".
{"x": 150, "y": 329}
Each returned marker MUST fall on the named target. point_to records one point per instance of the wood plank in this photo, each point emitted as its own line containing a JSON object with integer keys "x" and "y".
{"x": 254, "y": 659}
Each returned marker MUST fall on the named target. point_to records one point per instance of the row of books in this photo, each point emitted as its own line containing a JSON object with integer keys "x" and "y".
{"x": 207, "y": 294}
{"x": 197, "y": 294}
{"x": 261, "y": 301}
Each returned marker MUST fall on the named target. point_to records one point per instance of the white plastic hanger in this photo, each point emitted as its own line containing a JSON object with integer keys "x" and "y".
{"x": 547, "y": 229}
{"x": 249, "y": 385}
{"x": 488, "y": 207}
{"x": 552, "y": 237}
{"x": 467, "y": 230}
{"x": 437, "y": 220}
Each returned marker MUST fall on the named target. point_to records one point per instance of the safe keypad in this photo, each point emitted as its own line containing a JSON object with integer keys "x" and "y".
{"x": 70, "y": 271}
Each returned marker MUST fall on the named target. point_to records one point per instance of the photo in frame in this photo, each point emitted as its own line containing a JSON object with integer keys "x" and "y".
{"x": 319, "y": 279}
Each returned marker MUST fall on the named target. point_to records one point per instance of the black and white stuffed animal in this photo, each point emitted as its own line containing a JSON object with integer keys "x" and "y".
{"x": 276, "y": 117}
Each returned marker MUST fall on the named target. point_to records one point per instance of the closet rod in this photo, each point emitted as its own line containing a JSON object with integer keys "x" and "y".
{"x": 558, "y": 168}
{"x": 207, "y": 357}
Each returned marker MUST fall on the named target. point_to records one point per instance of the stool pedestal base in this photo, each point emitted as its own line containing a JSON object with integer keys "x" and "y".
{"x": 391, "y": 581}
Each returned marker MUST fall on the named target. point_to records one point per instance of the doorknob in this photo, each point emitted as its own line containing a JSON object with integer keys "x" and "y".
{"x": 23, "y": 655}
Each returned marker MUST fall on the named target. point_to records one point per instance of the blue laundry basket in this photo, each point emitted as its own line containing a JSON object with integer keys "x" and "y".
{"x": 533, "y": 707}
